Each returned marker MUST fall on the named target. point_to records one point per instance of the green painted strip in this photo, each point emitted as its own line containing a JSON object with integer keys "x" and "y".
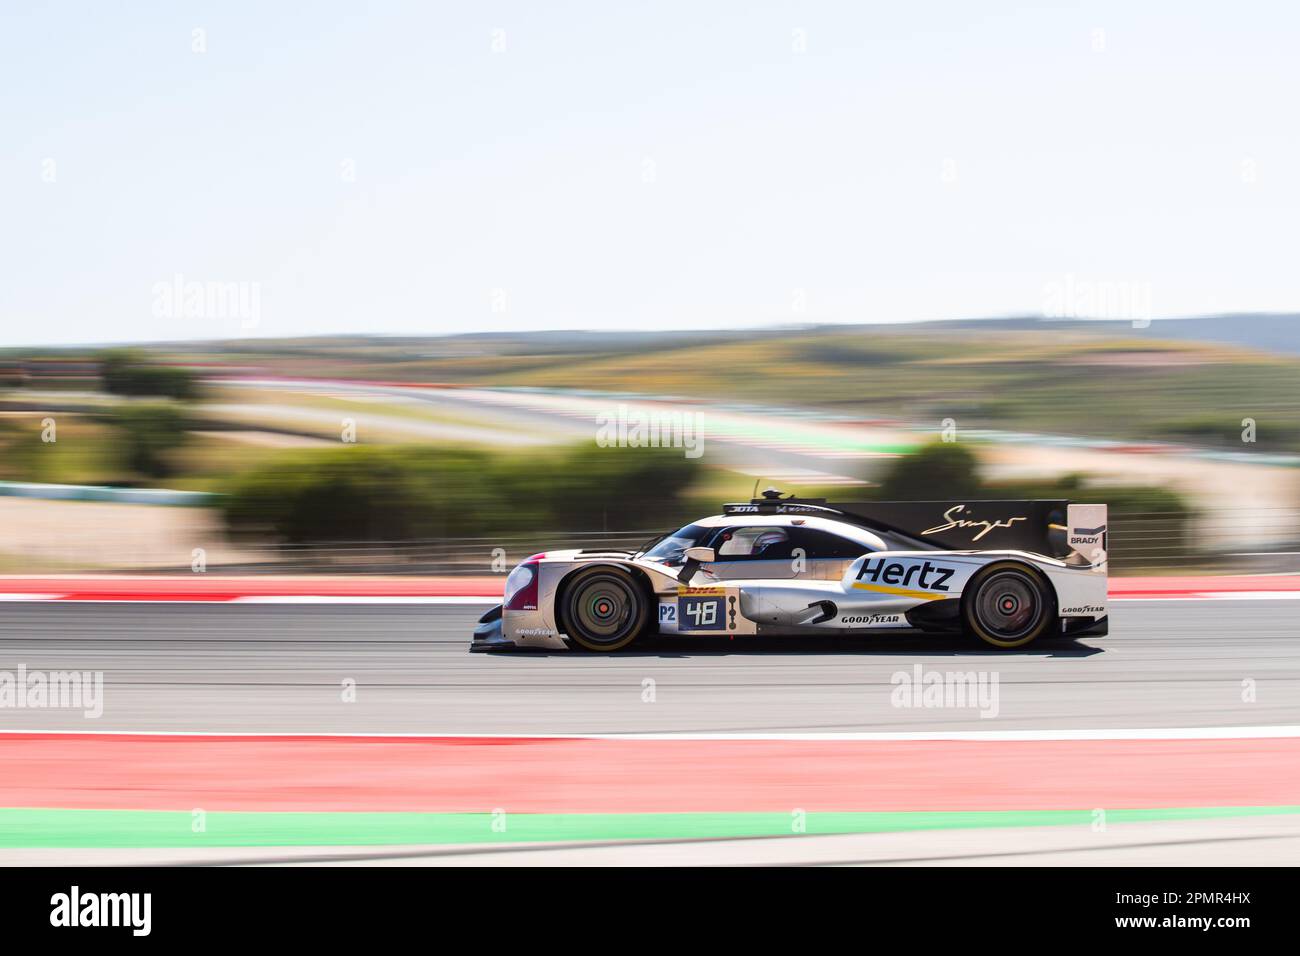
{"x": 172, "y": 828}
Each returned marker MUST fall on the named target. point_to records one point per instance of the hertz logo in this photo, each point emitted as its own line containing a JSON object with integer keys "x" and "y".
{"x": 930, "y": 577}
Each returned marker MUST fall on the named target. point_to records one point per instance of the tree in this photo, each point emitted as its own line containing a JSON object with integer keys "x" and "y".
{"x": 395, "y": 493}
{"x": 148, "y": 432}
{"x": 127, "y": 372}
{"x": 940, "y": 470}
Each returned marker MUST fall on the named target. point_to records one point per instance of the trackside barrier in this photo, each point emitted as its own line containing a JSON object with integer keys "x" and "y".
{"x": 125, "y": 496}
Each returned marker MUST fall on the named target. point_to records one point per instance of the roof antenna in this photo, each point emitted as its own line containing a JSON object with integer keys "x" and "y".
{"x": 756, "y": 481}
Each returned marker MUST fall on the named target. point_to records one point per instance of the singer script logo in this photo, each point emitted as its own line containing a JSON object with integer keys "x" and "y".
{"x": 950, "y": 516}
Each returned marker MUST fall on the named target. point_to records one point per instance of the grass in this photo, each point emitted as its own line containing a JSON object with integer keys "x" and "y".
{"x": 82, "y": 453}
{"x": 11, "y": 563}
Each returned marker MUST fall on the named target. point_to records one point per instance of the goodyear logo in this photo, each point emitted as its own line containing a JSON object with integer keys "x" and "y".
{"x": 879, "y": 620}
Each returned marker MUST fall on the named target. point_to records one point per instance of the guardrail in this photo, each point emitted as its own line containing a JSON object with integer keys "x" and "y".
{"x": 1225, "y": 540}
{"x": 1218, "y": 541}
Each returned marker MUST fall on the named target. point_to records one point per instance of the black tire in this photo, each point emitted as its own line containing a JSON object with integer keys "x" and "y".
{"x": 1008, "y": 605}
{"x": 604, "y": 609}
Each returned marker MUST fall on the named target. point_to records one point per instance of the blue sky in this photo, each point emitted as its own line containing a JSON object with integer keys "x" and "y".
{"x": 381, "y": 168}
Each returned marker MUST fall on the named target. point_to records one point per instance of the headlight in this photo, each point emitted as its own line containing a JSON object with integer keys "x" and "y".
{"x": 521, "y": 587}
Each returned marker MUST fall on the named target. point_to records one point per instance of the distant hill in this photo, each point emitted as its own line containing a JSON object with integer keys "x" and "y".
{"x": 1189, "y": 380}
{"x": 1268, "y": 332}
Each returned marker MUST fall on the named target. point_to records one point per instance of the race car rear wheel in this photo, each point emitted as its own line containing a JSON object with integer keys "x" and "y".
{"x": 604, "y": 609}
{"x": 1008, "y": 605}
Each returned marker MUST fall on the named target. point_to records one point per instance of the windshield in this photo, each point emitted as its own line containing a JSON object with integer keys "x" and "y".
{"x": 670, "y": 548}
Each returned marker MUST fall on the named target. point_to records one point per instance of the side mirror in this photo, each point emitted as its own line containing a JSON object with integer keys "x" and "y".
{"x": 692, "y": 558}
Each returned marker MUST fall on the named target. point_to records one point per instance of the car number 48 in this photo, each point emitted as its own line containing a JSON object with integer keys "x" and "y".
{"x": 700, "y": 614}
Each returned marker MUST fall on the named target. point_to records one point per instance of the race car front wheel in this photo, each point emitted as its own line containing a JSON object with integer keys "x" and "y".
{"x": 604, "y": 609}
{"x": 1008, "y": 605}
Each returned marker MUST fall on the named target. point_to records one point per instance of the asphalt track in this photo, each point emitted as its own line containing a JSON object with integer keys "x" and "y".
{"x": 1210, "y": 673}
{"x": 226, "y": 668}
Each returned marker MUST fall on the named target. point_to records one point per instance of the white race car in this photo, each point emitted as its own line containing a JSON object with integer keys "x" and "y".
{"x": 1006, "y": 572}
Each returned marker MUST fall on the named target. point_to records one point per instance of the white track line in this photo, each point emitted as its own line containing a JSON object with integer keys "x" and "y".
{"x": 359, "y": 599}
{"x": 1217, "y": 596}
{"x": 1251, "y": 595}
{"x": 264, "y": 599}
{"x": 471, "y": 599}
{"x": 1155, "y": 733}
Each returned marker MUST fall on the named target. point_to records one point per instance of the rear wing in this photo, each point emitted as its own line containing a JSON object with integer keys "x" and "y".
{"x": 1048, "y": 526}
{"x": 1036, "y": 525}
{"x": 1087, "y": 535}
